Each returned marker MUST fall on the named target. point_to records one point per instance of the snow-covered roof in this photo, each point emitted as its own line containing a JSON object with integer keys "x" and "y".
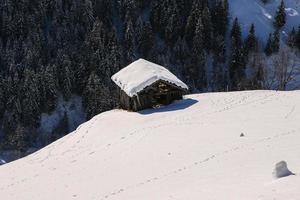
{"x": 142, "y": 73}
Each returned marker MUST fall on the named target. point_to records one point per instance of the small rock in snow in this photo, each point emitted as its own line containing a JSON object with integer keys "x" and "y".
{"x": 242, "y": 135}
{"x": 281, "y": 170}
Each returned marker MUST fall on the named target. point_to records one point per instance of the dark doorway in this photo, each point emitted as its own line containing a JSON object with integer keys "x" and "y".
{"x": 161, "y": 99}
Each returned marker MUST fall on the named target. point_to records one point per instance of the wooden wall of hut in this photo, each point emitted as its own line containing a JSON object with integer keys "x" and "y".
{"x": 159, "y": 93}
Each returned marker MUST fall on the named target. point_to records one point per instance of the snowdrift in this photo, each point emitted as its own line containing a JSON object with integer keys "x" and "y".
{"x": 189, "y": 150}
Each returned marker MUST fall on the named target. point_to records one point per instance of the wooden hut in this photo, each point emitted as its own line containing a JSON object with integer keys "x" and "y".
{"x": 143, "y": 85}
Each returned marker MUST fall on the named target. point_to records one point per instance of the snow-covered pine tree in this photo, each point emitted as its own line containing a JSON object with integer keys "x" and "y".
{"x": 130, "y": 42}
{"x": 30, "y": 99}
{"x": 48, "y": 87}
{"x": 173, "y": 24}
{"x": 192, "y": 21}
{"x": 97, "y": 97}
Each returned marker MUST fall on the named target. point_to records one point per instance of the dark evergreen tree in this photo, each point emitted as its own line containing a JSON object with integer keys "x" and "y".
{"x": 280, "y": 17}
{"x": 298, "y": 38}
{"x": 130, "y": 42}
{"x": 19, "y": 140}
{"x": 65, "y": 76}
{"x": 251, "y": 43}
{"x": 220, "y": 17}
{"x": 193, "y": 20}
{"x": 291, "y": 41}
{"x": 30, "y": 99}
{"x": 219, "y": 50}
{"x": 173, "y": 24}
{"x": 268, "y": 48}
{"x": 207, "y": 29}
{"x": 48, "y": 85}
{"x": 146, "y": 41}
{"x": 96, "y": 96}
{"x": 276, "y": 42}
{"x": 197, "y": 70}
{"x": 273, "y": 43}
{"x": 237, "y": 62}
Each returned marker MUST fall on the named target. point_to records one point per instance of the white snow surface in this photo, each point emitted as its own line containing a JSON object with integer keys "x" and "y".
{"x": 189, "y": 150}
{"x": 142, "y": 73}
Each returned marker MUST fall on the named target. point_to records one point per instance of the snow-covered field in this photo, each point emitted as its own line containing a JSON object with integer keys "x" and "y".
{"x": 186, "y": 151}
{"x": 254, "y": 11}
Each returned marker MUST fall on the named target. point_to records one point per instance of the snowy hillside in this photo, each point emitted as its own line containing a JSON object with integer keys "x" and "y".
{"x": 187, "y": 151}
{"x": 254, "y": 11}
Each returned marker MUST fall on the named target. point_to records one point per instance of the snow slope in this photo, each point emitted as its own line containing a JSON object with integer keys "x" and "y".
{"x": 189, "y": 150}
{"x": 253, "y": 11}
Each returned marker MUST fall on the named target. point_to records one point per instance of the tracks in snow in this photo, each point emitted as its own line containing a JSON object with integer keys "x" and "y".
{"x": 196, "y": 163}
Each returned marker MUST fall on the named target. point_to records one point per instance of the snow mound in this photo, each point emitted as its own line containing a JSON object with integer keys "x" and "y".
{"x": 291, "y": 12}
{"x": 142, "y": 73}
{"x": 281, "y": 170}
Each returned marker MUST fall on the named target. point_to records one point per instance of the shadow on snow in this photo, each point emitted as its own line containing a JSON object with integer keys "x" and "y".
{"x": 178, "y": 105}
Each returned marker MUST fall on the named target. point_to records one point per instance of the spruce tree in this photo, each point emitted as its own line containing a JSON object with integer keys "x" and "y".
{"x": 298, "y": 38}
{"x": 96, "y": 96}
{"x": 237, "y": 63}
{"x": 65, "y": 76}
{"x": 220, "y": 17}
{"x": 146, "y": 40}
{"x": 291, "y": 41}
{"x": 273, "y": 43}
{"x": 280, "y": 17}
{"x": 19, "y": 140}
{"x": 276, "y": 42}
{"x": 181, "y": 50}
{"x": 219, "y": 81}
{"x": 207, "y": 29}
{"x": 268, "y": 48}
{"x": 197, "y": 68}
{"x": 192, "y": 21}
{"x": 48, "y": 88}
{"x": 3, "y": 96}
{"x": 130, "y": 42}
{"x": 251, "y": 43}
{"x": 30, "y": 99}
{"x": 173, "y": 24}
